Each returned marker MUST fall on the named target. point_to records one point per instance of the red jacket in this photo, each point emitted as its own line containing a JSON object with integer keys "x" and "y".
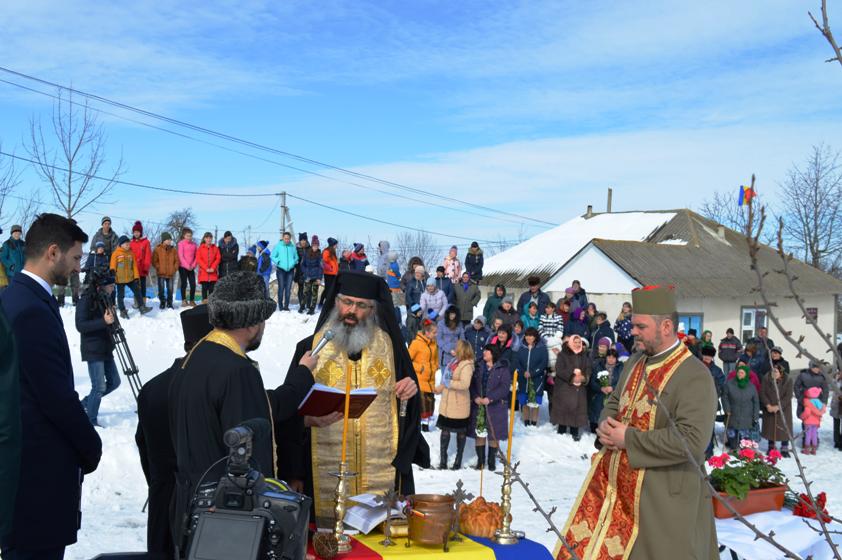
{"x": 142, "y": 255}
{"x": 208, "y": 256}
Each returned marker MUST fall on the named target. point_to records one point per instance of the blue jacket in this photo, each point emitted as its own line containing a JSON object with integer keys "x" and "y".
{"x": 530, "y": 322}
{"x": 414, "y": 289}
{"x": 535, "y": 361}
{"x": 393, "y": 276}
{"x": 525, "y": 297}
{"x": 264, "y": 258}
{"x": 59, "y": 444}
{"x": 285, "y": 256}
{"x": 446, "y": 286}
{"x": 311, "y": 265}
{"x": 446, "y": 340}
{"x": 96, "y": 263}
{"x": 477, "y": 338}
{"x": 12, "y": 257}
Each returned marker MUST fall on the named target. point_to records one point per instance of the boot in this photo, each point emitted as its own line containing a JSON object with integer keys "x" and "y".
{"x": 162, "y": 305}
{"x": 124, "y": 314}
{"x": 492, "y": 459}
{"x": 445, "y": 443}
{"x": 460, "y": 447}
{"x": 480, "y": 457}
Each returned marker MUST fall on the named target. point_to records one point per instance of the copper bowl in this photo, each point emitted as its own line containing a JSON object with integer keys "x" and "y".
{"x": 430, "y": 519}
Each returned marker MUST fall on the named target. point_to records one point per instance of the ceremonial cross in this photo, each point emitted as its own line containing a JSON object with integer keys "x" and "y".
{"x": 459, "y": 497}
{"x": 389, "y": 499}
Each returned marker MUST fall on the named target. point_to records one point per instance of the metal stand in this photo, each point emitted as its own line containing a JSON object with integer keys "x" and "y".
{"x": 343, "y": 540}
{"x": 459, "y": 497}
{"x": 121, "y": 346}
{"x": 388, "y": 500}
{"x": 505, "y": 535}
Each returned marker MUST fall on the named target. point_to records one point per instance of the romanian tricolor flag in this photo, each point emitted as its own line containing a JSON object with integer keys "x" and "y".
{"x": 746, "y": 194}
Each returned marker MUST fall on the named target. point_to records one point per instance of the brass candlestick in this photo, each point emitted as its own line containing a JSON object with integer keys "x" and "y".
{"x": 505, "y": 535}
{"x": 341, "y": 493}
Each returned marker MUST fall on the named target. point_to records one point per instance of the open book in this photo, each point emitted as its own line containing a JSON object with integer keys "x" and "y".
{"x": 322, "y": 400}
{"x": 367, "y": 514}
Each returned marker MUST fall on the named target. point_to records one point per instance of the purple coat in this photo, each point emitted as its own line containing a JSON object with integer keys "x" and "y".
{"x": 499, "y": 390}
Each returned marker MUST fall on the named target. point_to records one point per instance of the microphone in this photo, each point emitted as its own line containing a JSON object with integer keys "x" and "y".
{"x": 328, "y": 336}
{"x": 254, "y": 429}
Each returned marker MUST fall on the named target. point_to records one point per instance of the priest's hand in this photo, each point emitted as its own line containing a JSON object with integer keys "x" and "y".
{"x": 323, "y": 421}
{"x": 309, "y": 361}
{"x": 405, "y": 389}
{"x": 612, "y": 434}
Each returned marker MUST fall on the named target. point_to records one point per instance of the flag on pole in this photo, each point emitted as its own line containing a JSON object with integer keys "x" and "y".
{"x": 746, "y": 194}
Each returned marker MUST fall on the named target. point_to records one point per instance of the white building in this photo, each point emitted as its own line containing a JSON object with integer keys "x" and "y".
{"x": 613, "y": 253}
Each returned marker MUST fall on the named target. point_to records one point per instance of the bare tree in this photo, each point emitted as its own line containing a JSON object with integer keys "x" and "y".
{"x": 180, "y": 219}
{"x": 824, "y": 29}
{"x": 724, "y": 209}
{"x": 812, "y": 199}
{"x": 71, "y": 163}
{"x": 28, "y": 210}
{"x": 410, "y": 244}
{"x": 9, "y": 180}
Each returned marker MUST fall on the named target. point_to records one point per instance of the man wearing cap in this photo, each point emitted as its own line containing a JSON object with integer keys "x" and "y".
{"x": 533, "y": 294}
{"x": 154, "y": 439}
{"x": 445, "y": 285}
{"x": 763, "y": 345}
{"x": 367, "y": 345}
{"x": 107, "y": 236}
{"x": 777, "y": 360}
{"x": 730, "y": 349}
{"x": 643, "y": 498}
{"x": 219, "y": 386}
{"x": 230, "y": 251}
{"x": 12, "y": 253}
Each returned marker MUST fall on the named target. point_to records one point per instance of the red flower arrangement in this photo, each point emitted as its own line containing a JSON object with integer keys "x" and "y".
{"x": 749, "y": 470}
{"x": 804, "y": 508}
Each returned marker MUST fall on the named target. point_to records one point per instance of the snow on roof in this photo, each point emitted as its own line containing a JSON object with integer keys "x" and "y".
{"x": 548, "y": 251}
{"x": 672, "y": 242}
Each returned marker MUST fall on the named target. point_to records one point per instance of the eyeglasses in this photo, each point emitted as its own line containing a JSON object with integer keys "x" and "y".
{"x": 361, "y": 305}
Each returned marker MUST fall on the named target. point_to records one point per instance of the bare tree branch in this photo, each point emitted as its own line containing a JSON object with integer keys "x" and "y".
{"x": 824, "y": 29}
{"x": 9, "y": 180}
{"x": 421, "y": 244}
{"x": 28, "y": 210}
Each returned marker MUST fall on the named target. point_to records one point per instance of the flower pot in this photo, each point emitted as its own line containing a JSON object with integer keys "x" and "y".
{"x": 762, "y": 499}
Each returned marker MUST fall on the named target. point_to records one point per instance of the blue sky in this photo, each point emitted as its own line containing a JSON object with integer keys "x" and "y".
{"x": 532, "y": 107}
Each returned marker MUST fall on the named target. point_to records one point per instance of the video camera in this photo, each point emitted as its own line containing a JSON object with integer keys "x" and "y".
{"x": 244, "y": 515}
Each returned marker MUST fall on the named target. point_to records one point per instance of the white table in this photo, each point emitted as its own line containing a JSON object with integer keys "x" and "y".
{"x": 790, "y": 531}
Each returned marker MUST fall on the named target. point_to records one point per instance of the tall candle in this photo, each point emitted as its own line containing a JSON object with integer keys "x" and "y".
{"x": 512, "y": 419}
{"x": 347, "y": 408}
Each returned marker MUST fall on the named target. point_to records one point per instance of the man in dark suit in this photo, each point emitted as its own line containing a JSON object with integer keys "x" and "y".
{"x": 9, "y": 424}
{"x": 59, "y": 444}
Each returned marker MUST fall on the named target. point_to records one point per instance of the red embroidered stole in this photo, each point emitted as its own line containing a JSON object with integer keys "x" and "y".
{"x": 605, "y": 518}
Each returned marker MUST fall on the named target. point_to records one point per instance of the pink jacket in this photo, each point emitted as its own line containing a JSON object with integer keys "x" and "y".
{"x": 187, "y": 254}
{"x": 812, "y": 416}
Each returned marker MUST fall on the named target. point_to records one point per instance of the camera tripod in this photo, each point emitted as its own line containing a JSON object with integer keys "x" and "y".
{"x": 121, "y": 346}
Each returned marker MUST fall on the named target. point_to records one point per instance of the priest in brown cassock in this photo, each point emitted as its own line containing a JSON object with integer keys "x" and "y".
{"x": 643, "y": 499}
{"x": 382, "y": 445}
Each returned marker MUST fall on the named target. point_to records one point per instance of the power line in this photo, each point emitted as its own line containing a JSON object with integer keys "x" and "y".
{"x": 262, "y": 147}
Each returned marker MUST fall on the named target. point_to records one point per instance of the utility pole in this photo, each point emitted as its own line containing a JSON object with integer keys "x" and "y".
{"x": 283, "y": 213}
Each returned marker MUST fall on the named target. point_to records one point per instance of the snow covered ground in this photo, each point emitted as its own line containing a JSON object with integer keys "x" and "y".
{"x": 114, "y": 495}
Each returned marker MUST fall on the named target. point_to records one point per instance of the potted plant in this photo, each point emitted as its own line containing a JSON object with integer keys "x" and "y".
{"x": 751, "y": 481}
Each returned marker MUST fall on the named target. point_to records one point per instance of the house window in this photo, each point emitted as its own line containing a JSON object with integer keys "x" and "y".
{"x": 691, "y": 321}
{"x": 752, "y": 319}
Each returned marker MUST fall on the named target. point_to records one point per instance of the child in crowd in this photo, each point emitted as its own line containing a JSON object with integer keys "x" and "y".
{"x": 207, "y": 259}
{"x": 814, "y": 409}
{"x": 165, "y": 262}
{"x": 186, "y": 264}
{"x": 550, "y": 324}
{"x": 125, "y": 272}
{"x": 531, "y": 317}
{"x": 455, "y": 408}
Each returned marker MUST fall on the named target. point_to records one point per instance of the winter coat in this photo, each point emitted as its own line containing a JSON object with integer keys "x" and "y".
{"x": 497, "y": 388}
{"x": 331, "y": 263}
{"x": 773, "y": 423}
{"x": 804, "y": 381}
{"x": 12, "y": 256}
{"x": 456, "y": 399}
{"x": 533, "y": 360}
{"x": 300, "y": 251}
{"x": 208, "y": 257}
{"x": 509, "y": 317}
{"x": 473, "y": 263}
{"x": 530, "y": 321}
{"x": 752, "y": 377}
{"x": 477, "y": 339}
{"x": 446, "y": 340}
{"x": 718, "y": 378}
{"x": 445, "y": 285}
{"x": 507, "y": 352}
{"x": 124, "y": 266}
{"x": 229, "y": 253}
{"x": 570, "y": 403}
{"x": 596, "y": 400}
{"x": 603, "y": 330}
{"x": 760, "y": 361}
{"x": 812, "y": 414}
{"x": 311, "y": 266}
{"x": 393, "y": 276}
{"x": 110, "y": 241}
{"x": 414, "y": 290}
{"x": 579, "y": 299}
{"x": 742, "y": 405}
{"x": 358, "y": 261}
{"x": 540, "y": 297}
{"x": 550, "y": 325}
{"x": 410, "y": 275}
{"x": 165, "y": 261}
{"x": 96, "y": 343}
{"x": 424, "y": 355}
{"x": 623, "y": 327}
{"x": 4, "y": 280}
{"x": 247, "y": 264}
{"x": 285, "y": 255}
{"x": 10, "y": 443}
{"x": 96, "y": 263}
{"x": 344, "y": 263}
{"x": 466, "y": 299}
{"x": 142, "y": 255}
{"x": 493, "y": 303}
{"x": 382, "y": 258}
{"x": 452, "y": 268}
{"x": 436, "y": 300}
{"x": 574, "y": 326}
{"x": 264, "y": 259}
{"x": 187, "y": 254}
{"x": 784, "y": 365}
{"x": 730, "y": 349}
{"x": 835, "y": 400}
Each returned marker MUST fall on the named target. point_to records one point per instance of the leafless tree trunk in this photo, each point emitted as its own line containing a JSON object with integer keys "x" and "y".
{"x": 723, "y": 208}
{"x": 824, "y": 29}
{"x": 410, "y": 244}
{"x": 812, "y": 199}
{"x": 71, "y": 162}
{"x": 9, "y": 180}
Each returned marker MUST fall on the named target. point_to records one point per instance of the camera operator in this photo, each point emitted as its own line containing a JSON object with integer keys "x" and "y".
{"x": 94, "y": 317}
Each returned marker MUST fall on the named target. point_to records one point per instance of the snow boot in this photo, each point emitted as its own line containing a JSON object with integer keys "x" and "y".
{"x": 124, "y": 314}
{"x": 460, "y": 447}
{"x": 480, "y": 457}
{"x": 162, "y": 305}
{"x": 492, "y": 459}
{"x": 144, "y": 310}
{"x": 445, "y": 443}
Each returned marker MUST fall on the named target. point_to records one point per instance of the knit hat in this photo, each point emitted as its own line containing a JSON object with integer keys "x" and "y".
{"x": 813, "y": 392}
{"x": 708, "y": 351}
{"x": 239, "y": 300}
{"x": 105, "y": 219}
{"x": 122, "y": 239}
{"x": 138, "y": 227}
{"x": 777, "y": 349}
{"x": 474, "y": 245}
{"x": 692, "y": 332}
{"x": 431, "y": 281}
{"x": 508, "y": 299}
{"x": 314, "y": 240}
{"x": 99, "y": 244}
{"x": 622, "y": 353}
{"x": 227, "y": 234}
{"x": 252, "y": 250}
{"x": 480, "y": 319}
{"x": 415, "y": 308}
{"x": 439, "y": 269}
{"x": 604, "y": 341}
{"x": 166, "y": 237}
{"x": 358, "y": 247}
{"x": 570, "y": 291}
{"x": 302, "y": 236}
{"x": 331, "y": 242}
{"x": 16, "y": 227}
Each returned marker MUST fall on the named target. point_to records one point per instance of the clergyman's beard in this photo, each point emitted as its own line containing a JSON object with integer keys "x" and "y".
{"x": 351, "y": 339}
{"x": 650, "y": 349}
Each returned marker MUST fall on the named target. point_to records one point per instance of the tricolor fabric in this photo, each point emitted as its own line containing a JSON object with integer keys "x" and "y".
{"x": 368, "y": 547}
{"x": 745, "y": 196}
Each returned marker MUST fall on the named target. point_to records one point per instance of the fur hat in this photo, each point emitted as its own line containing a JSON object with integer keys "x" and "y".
{"x": 138, "y": 227}
{"x": 239, "y": 300}
{"x": 302, "y": 236}
{"x": 122, "y": 239}
{"x": 708, "y": 351}
{"x": 166, "y": 236}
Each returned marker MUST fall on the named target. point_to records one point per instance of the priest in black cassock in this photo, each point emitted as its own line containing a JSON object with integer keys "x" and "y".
{"x": 219, "y": 387}
{"x": 382, "y": 446}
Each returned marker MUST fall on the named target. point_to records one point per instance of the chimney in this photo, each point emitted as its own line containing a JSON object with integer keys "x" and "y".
{"x": 589, "y": 213}
{"x": 610, "y": 195}
{"x": 720, "y": 231}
